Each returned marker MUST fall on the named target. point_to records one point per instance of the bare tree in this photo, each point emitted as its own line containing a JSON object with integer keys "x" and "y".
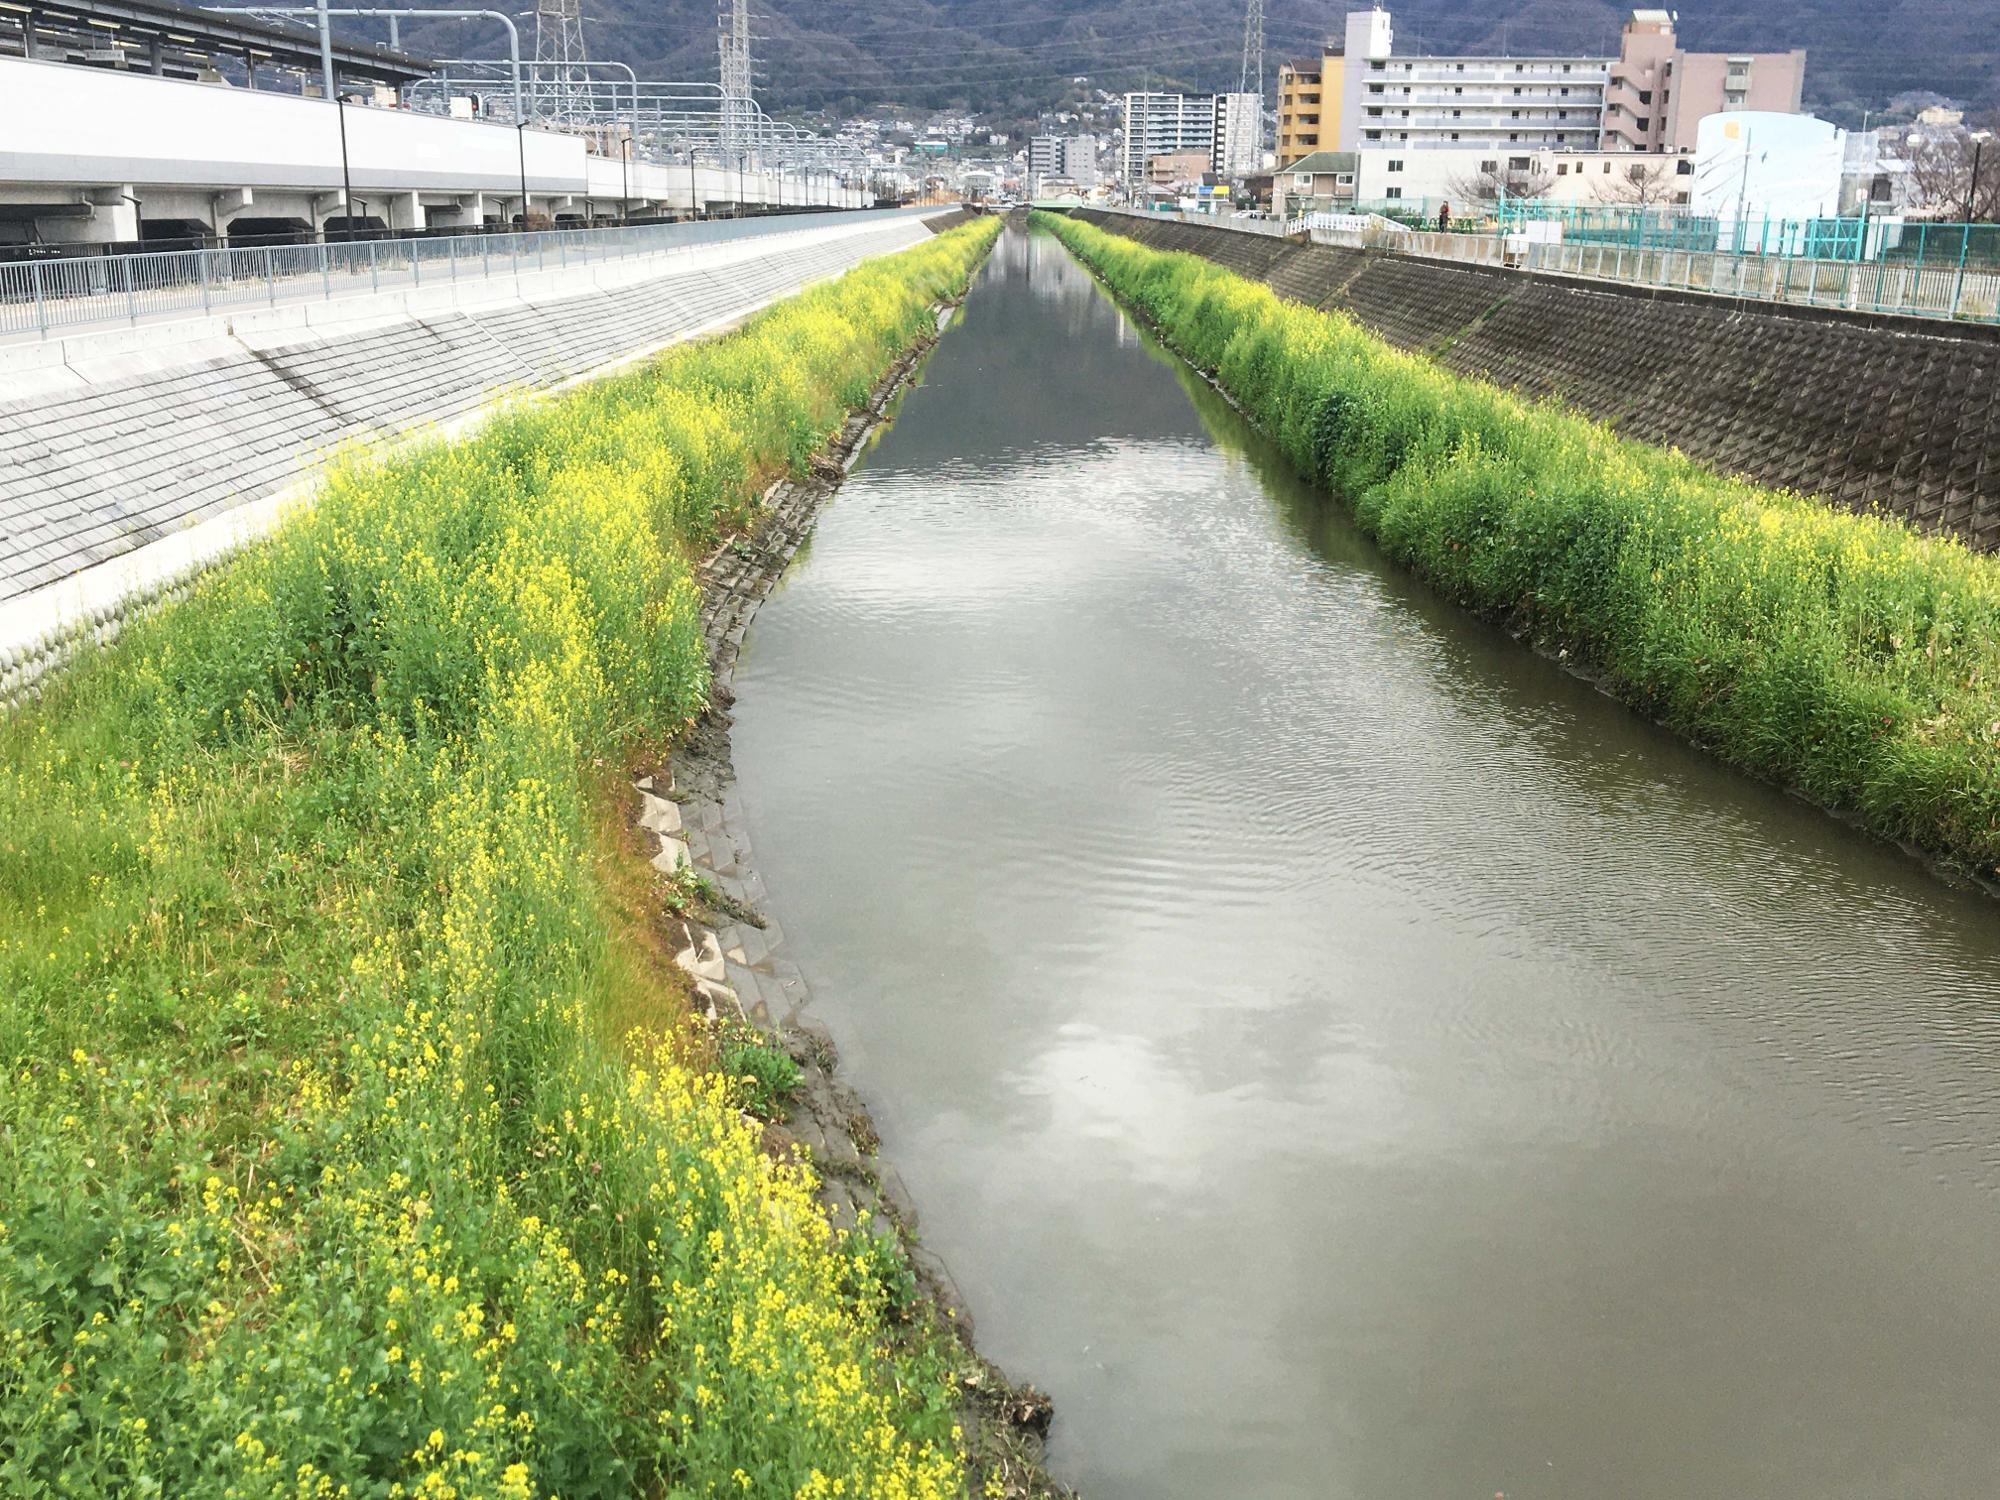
{"x": 1950, "y": 170}
{"x": 1642, "y": 184}
{"x": 1490, "y": 187}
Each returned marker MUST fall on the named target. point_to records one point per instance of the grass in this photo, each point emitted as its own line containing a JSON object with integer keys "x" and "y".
{"x": 319, "y": 1174}
{"x": 1845, "y": 656}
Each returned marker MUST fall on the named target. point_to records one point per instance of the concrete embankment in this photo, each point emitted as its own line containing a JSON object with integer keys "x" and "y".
{"x": 1869, "y": 412}
{"x": 136, "y": 457}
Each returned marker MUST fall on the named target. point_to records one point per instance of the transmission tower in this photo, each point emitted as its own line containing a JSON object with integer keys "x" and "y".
{"x": 738, "y": 106}
{"x": 559, "y": 81}
{"x": 1252, "y": 80}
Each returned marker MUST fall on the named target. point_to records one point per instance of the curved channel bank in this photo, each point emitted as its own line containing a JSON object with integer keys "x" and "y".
{"x": 1337, "y": 1052}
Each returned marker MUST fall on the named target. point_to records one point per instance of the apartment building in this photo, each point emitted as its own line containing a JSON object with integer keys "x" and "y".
{"x": 1227, "y": 128}
{"x": 1308, "y": 102}
{"x": 1073, "y": 157}
{"x": 1361, "y": 95}
{"x": 1658, "y": 93}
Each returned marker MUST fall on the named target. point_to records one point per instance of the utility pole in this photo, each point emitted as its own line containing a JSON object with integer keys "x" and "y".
{"x": 559, "y": 76}
{"x": 1252, "y": 77}
{"x": 738, "y": 104}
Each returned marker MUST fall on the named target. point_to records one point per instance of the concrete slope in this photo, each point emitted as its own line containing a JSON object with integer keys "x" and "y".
{"x": 132, "y": 462}
{"x": 1869, "y": 412}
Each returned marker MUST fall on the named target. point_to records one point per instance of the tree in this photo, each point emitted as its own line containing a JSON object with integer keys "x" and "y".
{"x": 1938, "y": 168}
{"x": 1642, "y": 184}
{"x": 1490, "y": 186}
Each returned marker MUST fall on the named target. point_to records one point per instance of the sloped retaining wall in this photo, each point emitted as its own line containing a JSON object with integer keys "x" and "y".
{"x": 122, "y": 478}
{"x": 1867, "y": 411}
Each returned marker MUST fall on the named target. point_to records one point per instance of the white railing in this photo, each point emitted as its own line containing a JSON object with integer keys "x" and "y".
{"x": 49, "y": 297}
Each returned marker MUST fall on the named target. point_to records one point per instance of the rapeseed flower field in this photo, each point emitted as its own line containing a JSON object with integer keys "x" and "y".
{"x": 317, "y": 1174}
{"x": 1846, "y": 656}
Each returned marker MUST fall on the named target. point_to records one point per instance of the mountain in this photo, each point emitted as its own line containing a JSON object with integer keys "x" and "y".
{"x": 1010, "y": 58}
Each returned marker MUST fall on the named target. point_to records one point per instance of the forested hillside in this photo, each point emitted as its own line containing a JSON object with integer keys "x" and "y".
{"x": 1014, "y": 56}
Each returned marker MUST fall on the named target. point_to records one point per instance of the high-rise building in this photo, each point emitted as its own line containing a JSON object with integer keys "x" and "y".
{"x": 1070, "y": 156}
{"x": 1360, "y": 95}
{"x": 1227, "y": 128}
{"x": 1164, "y": 124}
{"x": 1238, "y": 148}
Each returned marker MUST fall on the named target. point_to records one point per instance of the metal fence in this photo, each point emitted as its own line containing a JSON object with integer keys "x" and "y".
{"x": 1237, "y": 222}
{"x": 47, "y": 297}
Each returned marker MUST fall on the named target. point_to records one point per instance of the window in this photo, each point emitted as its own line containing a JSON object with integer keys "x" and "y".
{"x": 1343, "y": 179}
{"x": 1645, "y": 96}
{"x": 1517, "y": 92}
{"x": 1394, "y": 192}
{"x": 1454, "y": 135}
{"x": 1644, "y": 123}
{"x": 1565, "y": 93}
{"x": 1562, "y": 114}
{"x": 1489, "y": 166}
{"x": 1461, "y": 67}
{"x": 1565, "y": 67}
{"x": 1395, "y": 164}
{"x": 1562, "y": 169}
{"x": 1514, "y": 114}
{"x": 1684, "y": 168}
{"x": 1374, "y": 88}
{"x": 1518, "y": 164}
{"x": 1607, "y": 169}
{"x": 1302, "y": 181}
{"x": 1520, "y": 67}
{"x": 1374, "y": 135}
{"x": 1458, "y": 114}
{"x": 1459, "y": 90}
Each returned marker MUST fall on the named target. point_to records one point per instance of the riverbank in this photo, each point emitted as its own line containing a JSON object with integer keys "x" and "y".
{"x": 346, "y": 1143}
{"x": 1844, "y": 657}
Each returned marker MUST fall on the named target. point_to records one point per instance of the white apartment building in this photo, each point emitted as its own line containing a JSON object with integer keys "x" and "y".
{"x": 1226, "y": 128}
{"x": 1239, "y": 135}
{"x": 1069, "y": 156}
{"x": 1423, "y": 103}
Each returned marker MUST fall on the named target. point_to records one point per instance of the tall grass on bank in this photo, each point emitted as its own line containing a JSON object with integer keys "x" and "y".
{"x": 316, "y": 1177}
{"x": 1843, "y": 655}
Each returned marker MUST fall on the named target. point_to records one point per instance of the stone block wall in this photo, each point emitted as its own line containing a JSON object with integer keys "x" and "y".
{"x": 1870, "y": 412}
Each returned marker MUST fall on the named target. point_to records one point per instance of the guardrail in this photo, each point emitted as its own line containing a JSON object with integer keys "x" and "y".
{"x": 1214, "y": 221}
{"x": 46, "y": 297}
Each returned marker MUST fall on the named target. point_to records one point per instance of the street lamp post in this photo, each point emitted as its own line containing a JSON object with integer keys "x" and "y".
{"x": 1979, "y": 140}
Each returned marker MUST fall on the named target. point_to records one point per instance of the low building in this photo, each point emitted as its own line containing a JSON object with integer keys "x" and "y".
{"x": 1424, "y": 179}
{"x": 1174, "y": 170}
{"x": 1321, "y": 183}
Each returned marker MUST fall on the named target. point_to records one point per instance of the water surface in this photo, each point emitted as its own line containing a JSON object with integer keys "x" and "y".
{"x": 1337, "y": 1053}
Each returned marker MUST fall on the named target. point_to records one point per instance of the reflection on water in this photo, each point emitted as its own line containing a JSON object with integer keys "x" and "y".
{"x": 1338, "y": 1054}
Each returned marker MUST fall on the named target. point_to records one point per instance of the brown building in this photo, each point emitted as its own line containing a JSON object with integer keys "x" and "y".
{"x": 1172, "y": 169}
{"x": 1658, "y": 93}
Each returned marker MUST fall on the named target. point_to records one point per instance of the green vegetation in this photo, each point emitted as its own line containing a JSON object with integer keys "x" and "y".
{"x": 765, "y": 1077}
{"x": 1846, "y": 656}
{"x": 318, "y": 1175}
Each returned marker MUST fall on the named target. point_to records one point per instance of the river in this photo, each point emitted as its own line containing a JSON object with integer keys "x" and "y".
{"x": 1338, "y": 1053}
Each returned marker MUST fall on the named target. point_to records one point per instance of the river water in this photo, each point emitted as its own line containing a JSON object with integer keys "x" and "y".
{"x": 1336, "y": 1052}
